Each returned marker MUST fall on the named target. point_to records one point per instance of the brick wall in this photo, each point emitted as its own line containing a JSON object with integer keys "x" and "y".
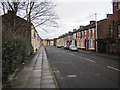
{"x": 116, "y": 20}
{"x": 21, "y": 25}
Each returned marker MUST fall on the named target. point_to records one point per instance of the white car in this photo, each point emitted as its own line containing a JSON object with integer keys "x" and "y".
{"x": 73, "y": 48}
{"x": 59, "y": 46}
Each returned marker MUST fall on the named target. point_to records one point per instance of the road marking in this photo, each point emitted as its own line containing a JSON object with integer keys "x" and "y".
{"x": 113, "y": 68}
{"x": 87, "y": 59}
{"x": 72, "y": 76}
{"x": 71, "y": 54}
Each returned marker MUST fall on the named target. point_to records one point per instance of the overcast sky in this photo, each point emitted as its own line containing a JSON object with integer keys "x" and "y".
{"x": 73, "y": 13}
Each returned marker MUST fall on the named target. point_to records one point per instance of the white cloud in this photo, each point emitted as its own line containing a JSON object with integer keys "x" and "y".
{"x": 77, "y": 12}
{"x": 82, "y": 1}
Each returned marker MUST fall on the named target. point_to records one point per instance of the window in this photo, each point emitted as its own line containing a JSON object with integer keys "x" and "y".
{"x": 93, "y": 32}
{"x": 111, "y": 32}
{"x": 80, "y": 34}
{"x": 90, "y": 44}
{"x": 118, "y": 4}
{"x": 118, "y": 31}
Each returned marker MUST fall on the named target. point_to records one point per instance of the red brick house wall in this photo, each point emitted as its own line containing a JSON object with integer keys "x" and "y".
{"x": 21, "y": 25}
{"x": 116, "y": 22}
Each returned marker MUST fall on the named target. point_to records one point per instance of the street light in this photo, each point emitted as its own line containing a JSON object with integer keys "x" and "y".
{"x": 96, "y": 31}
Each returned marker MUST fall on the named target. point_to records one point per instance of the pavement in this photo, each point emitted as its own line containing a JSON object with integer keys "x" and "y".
{"x": 36, "y": 74}
{"x": 115, "y": 56}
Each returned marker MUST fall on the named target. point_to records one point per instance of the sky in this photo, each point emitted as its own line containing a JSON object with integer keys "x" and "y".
{"x": 73, "y": 13}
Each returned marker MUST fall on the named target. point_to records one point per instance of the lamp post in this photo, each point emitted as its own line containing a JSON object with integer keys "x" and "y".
{"x": 96, "y": 31}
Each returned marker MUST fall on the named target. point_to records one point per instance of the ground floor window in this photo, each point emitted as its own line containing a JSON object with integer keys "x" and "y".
{"x": 91, "y": 44}
{"x": 82, "y": 43}
{"x": 78, "y": 43}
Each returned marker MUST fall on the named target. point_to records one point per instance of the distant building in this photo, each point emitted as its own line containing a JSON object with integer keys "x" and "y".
{"x": 44, "y": 42}
{"x": 48, "y": 42}
{"x": 86, "y": 36}
{"x": 36, "y": 41}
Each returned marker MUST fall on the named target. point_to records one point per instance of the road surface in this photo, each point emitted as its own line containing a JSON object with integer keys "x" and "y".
{"x": 83, "y": 69}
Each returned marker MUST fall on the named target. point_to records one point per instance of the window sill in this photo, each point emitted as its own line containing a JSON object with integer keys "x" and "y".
{"x": 91, "y": 48}
{"x": 82, "y": 47}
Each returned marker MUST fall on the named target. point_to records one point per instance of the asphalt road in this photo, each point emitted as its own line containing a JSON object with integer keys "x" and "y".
{"x": 83, "y": 70}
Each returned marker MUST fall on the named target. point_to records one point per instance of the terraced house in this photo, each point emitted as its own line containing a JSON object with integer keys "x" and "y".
{"x": 36, "y": 41}
{"x": 116, "y": 30}
{"x": 86, "y": 37}
{"x": 104, "y": 39}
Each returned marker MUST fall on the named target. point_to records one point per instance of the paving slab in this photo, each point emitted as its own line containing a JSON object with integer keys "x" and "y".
{"x": 47, "y": 80}
{"x": 47, "y": 86}
{"x": 35, "y": 74}
{"x": 33, "y": 82}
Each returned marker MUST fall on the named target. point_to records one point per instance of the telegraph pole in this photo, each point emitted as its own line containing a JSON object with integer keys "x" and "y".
{"x": 96, "y": 32}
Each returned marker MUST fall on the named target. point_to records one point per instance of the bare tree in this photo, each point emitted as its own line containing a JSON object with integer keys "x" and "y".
{"x": 37, "y": 12}
{"x": 12, "y": 6}
{"x": 40, "y": 13}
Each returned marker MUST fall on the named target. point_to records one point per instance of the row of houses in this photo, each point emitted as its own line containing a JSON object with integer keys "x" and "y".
{"x": 36, "y": 40}
{"x": 102, "y": 36}
{"x": 21, "y": 27}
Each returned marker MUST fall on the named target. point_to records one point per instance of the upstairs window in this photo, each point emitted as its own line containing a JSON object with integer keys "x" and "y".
{"x": 118, "y": 4}
{"x": 77, "y": 35}
{"x": 119, "y": 31}
{"x": 93, "y": 32}
{"x": 80, "y": 34}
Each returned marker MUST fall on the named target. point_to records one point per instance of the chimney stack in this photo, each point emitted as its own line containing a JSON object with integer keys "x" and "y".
{"x": 74, "y": 30}
{"x": 109, "y": 15}
{"x": 92, "y": 22}
{"x": 81, "y": 26}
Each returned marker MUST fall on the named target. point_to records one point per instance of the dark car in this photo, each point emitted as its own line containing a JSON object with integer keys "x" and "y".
{"x": 66, "y": 47}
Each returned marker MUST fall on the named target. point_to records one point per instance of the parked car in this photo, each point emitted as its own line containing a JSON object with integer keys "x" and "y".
{"x": 73, "y": 48}
{"x": 59, "y": 46}
{"x": 66, "y": 47}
